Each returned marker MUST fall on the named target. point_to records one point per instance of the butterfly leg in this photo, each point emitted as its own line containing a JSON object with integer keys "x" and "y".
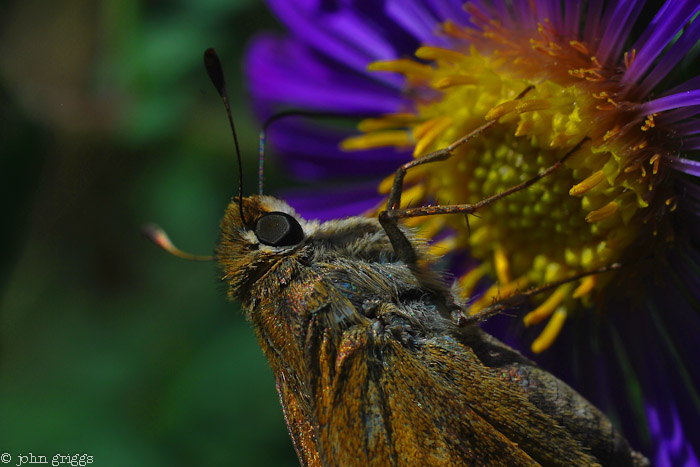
{"x": 508, "y": 303}
{"x": 390, "y": 217}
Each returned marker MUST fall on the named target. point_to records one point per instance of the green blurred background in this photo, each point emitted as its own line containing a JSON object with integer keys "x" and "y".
{"x": 108, "y": 346}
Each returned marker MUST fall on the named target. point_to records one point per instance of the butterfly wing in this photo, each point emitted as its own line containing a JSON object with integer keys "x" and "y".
{"x": 377, "y": 401}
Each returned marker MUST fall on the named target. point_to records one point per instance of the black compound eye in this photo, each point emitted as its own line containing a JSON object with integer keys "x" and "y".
{"x": 278, "y": 229}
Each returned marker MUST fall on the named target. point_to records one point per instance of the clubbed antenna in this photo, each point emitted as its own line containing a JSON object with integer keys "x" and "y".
{"x": 160, "y": 238}
{"x": 216, "y": 74}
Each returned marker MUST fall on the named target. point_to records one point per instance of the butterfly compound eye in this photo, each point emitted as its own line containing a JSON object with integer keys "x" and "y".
{"x": 278, "y": 229}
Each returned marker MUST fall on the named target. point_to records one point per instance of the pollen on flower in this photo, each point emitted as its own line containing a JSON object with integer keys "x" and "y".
{"x": 586, "y": 286}
{"x": 588, "y": 184}
{"x": 586, "y": 215}
{"x": 551, "y": 331}
{"x": 546, "y": 309}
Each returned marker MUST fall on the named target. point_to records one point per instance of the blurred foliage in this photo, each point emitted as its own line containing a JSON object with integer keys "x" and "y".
{"x": 108, "y": 346}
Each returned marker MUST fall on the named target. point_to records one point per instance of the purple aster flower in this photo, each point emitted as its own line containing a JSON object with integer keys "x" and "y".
{"x": 616, "y": 74}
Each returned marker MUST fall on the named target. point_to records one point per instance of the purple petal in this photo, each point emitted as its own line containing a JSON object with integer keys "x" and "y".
{"x": 617, "y": 29}
{"x": 674, "y": 101}
{"x": 551, "y": 10}
{"x": 572, "y": 18}
{"x": 686, "y": 128}
{"x": 313, "y": 153}
{"x": 678, "y": 115}
{"x": 664, "y": 27}
{"x": 359, "y": 32}
{"x": 416, "y": 19}
{"x": 593, "y": 21}
{"x": 674, "y": 451}
{"x": 496, "y": 9}
{"x": 307, "y": 20}
{"x": 522, "y": 10}
{"x": 450, "y": 9}
{"x": 286, "y": 72}
{"x": 648, "y": 31}
{"x": 688, "y": 144}
{"x": 673, "y": 360}
{"x": 689, "y": 204}
{"x": 675, "y": 54}
{"x": 335, "y": 203}
{"x": 667, "y": 385}
{"x": 673, "y": 116}
{"x": 688, "y": 166}
{"x": 689, "y": 85}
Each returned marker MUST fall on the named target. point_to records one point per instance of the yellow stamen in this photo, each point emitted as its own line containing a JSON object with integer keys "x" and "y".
{"x": 654, "y": 160}
{"x": 611, "y": 133}
{"x": 586, "y": 286}
{"x": 413, "y": 195}
{"x": 497, "y": 291}
{"x": 606, "y": 106}
{"x": 559, "y": 140}
{"x": 427, "y": 133}
{"x": 580, "y": 47}
{"x": 454, "y": 80}
{"x": 524, "y": 127}
{"x": 437, "y": 53}
{"x": 468, "y": 281}
{"x": 602, "y": 213}
{"x": 554, "y": 46}
{"x": 454, "y": 30}
{"x": 521, "y": 60}
{"x": 649, "y": 123}
{"x": 501, "y": 109}
{"x": 388, "y": 121}
{"x": 550, "y": 332}
{"x": 411, "y": 69}
{"x": 673, "y": 202}
{"x": 548, "y": 306}
{"x": 632, "y": 168}
{"x": 532, "y": 105}
{"x": 422, "y": 129}
{"x": 376, "y": 140}
{"x": 588, "y": 184}
{"x": 502, "y": 265}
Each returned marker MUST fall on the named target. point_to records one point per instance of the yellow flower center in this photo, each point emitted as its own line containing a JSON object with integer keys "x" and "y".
{"x": 584, "y": 216}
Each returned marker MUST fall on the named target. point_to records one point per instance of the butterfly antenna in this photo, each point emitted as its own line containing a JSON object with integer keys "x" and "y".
{"x": 216, "y": 75}
{"x": 304, "y": 113}
{"x": 261, "y": 158}
{"x": 160, "y": 238}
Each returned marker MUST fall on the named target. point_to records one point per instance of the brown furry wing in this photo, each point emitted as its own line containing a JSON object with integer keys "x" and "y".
{"x": 379, "y": 402}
